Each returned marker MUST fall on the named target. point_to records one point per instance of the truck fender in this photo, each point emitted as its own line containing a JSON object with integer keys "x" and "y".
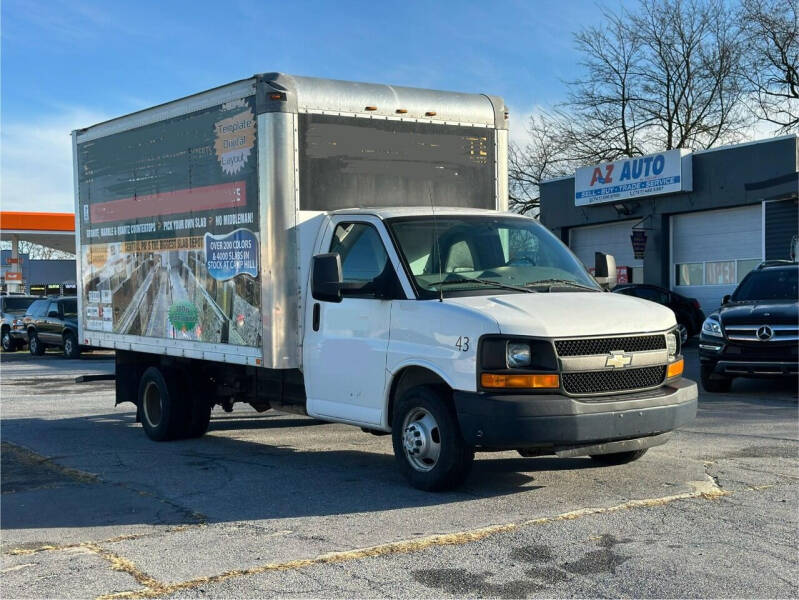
{"x": 407, "y": 375}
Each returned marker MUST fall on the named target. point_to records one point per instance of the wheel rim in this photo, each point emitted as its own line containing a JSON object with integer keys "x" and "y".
{"x": 421, "y": 439}
{"x": 6, "y": 341}
{"x": 68, "y": 345}
{"x": 153, "y": 408}
{"x": 34, "y": 343}
{"x": 683, "y": 332}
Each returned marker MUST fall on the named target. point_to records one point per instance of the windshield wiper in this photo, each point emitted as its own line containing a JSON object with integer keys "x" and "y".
{"x": 496, "y": 284}
{"x": 554, "y": 282}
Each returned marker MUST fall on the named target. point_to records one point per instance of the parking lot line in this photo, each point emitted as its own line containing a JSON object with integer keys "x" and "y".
{"x": 707, "y": 490}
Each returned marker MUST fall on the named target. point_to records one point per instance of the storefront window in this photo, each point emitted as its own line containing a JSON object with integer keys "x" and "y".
{"x": 690, "y": 274}
{"x": 720, "y": 272}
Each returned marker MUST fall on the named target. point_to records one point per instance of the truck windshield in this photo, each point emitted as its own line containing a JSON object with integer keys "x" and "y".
{"x": 470, "y": 253}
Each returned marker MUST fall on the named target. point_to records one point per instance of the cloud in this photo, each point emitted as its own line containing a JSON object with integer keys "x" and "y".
{"x": 37, "y": 161}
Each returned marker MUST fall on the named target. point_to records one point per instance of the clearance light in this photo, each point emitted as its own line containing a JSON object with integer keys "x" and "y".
{"x": 277, "y": 96}
{"x": 370, "y": 108}
{"x": 675, "y": 368}
{"x": 430, "y": 113}
{"x": 401, "y": 111}
{"x": 492, "y": 380}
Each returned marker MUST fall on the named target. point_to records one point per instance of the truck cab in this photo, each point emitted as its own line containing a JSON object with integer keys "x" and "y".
{"x": 461, "y": 329}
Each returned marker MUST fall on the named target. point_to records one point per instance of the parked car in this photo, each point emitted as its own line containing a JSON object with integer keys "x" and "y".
{"x": 755, "y": 331}
{"x": 51, "y": 322}
{"x": 687, "y": 310}
{"x": 12, "y": 308}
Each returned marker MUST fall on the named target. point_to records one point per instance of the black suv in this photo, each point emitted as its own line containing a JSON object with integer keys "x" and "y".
{"x": 755, "y": 332}
{"x": 51, "y": 322}
{"x": 687, "y": 311}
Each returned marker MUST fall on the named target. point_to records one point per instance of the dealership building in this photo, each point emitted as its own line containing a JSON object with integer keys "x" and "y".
{"x": 692, "y": 222}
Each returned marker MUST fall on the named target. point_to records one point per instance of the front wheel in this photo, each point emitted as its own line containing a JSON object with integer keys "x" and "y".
{"x": 428, "y": 445}
{"x": 35, "y": 345}
{"x": 618, "y": 458}
{"x": 71, "y": 347}
{"x": 8, "y": 344}
{"x": 712, "y": 382}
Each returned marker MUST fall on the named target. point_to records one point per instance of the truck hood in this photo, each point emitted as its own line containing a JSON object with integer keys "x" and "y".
{"x": 762, "y": 312}
{"x": 570, "y": 314}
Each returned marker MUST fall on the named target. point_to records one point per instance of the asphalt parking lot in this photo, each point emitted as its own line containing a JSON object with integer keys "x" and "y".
{"x": 281, "y": 505}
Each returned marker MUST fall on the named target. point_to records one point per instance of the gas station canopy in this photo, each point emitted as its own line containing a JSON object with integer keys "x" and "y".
{"x": 54, "y": 230}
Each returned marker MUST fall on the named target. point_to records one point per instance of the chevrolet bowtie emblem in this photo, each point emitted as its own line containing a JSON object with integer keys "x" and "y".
{"x": 618, "y": 359}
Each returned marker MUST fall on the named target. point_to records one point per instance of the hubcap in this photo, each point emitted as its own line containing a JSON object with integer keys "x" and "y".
{"x": 152, "y": 404}
{"x": 68, "y": 346}
{"x": 6, "y": 341}
{"x": 421, "y": 439}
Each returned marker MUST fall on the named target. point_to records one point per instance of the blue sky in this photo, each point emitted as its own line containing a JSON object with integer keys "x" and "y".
{"x": 68, "y": 64}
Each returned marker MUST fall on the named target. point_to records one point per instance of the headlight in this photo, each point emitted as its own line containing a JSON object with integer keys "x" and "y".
{"x": 517, "y": 354}
{"x": 672, "y": 343}
{"x": 712, "y": 327}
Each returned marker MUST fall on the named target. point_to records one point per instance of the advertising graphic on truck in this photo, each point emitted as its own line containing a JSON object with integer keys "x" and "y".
{"x": 169, "y": 231}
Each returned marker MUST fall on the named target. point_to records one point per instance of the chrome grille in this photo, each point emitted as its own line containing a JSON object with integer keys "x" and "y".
{"x": 587, "y": 346}
{"x": 748, "y": 332}
{"x": 602, "y": 382}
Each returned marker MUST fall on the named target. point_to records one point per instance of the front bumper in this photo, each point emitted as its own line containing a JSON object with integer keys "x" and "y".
{"x": 501, "y": 421}
{"x": 19, "y": 335}
{"x": 750, "y": 359}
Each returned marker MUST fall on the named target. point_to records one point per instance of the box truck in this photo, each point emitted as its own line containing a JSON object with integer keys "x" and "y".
{"x": 343, "y": 250}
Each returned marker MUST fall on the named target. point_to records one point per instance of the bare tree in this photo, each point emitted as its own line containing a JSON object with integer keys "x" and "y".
{"x": 772, "y": 65}
{"x": 663, "y": 75}
{"x": 37, "y": 251}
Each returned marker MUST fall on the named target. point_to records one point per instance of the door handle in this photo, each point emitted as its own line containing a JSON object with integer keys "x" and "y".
{"x": 316, "y": 315}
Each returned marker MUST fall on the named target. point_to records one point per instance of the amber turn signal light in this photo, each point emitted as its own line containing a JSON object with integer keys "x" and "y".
{"x": 493, "y": 380}
{"x": 675, "y": 368}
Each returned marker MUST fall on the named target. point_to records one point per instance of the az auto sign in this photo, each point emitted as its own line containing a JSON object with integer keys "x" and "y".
{"x": 662, "y": 173}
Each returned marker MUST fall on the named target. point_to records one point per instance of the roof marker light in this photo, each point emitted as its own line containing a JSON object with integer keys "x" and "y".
{"x": 430, "y": 113}
{"x": 370, "y": 108}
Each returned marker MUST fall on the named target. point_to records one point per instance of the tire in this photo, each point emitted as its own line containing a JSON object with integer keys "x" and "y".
{"x": 428, "y": 445}
{"x": 71, "y": 347}
{"x": 713, "y": 383}
{"x": 7, "y": 342}
{"x": 162, "y": 408}
{"x": 618, "y": 458}
{"x": 35, "y": 346}
{"x": 684, "y": 331}
{"x": 200, "y": 417}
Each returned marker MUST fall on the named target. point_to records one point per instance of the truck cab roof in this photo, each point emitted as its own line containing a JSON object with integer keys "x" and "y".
{"x": 384, "y": 213}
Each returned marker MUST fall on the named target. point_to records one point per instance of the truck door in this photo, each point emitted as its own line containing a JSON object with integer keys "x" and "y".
{"x": 346, "y": 343}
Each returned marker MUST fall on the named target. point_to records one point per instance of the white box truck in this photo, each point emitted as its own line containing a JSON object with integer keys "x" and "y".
{"x": 342, "y": 250}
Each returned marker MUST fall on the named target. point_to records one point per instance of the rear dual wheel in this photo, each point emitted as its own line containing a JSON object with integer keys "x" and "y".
{"x": 169, "y": 409}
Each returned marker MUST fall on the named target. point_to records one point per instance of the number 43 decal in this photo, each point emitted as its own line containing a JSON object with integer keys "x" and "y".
{"x": 462, "y": 344}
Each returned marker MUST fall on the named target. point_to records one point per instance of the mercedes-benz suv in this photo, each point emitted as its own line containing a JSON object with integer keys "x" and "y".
{"x": 755, "y": 332}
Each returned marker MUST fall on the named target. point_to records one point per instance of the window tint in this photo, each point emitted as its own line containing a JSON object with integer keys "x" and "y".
{"x": 38, "y": 308}
{"x": 363, "y": 256}
{"x": 652, "y": 295}
{"x": 777, "y": 284}
{"x": 70, "y": 308}
{"x": 16, "y": 304}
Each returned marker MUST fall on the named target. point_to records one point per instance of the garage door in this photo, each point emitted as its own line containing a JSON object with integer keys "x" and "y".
{"x": 713, "y": 250}
{"x": 611, "y": 238}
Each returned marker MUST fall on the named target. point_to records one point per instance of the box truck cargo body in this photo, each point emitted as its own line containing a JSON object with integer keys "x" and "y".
{"x": 339, "y": 249}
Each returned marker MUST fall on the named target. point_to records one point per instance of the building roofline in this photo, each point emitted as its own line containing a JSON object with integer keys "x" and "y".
{"x": 752, "y": 143}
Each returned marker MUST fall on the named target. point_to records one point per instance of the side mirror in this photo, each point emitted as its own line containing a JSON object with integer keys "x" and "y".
{"x": 605, "y": 270}
{"x": 326, "y": 277}
{"x": 726, "y": 299}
